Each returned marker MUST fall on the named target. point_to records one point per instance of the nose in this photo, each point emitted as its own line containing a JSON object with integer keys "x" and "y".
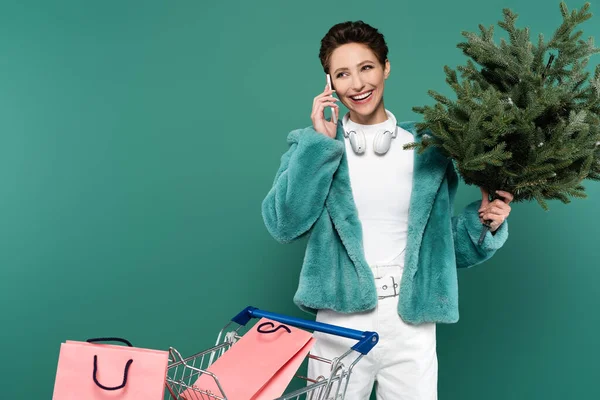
{"x": 357, "y": 83}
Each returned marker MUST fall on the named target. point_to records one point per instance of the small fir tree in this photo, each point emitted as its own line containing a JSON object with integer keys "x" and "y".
{"x": 526, "y": 118}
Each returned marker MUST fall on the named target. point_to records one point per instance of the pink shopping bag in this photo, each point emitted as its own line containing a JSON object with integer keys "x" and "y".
{"x": 90, "y": 371}
{"x": 259, "y": 366}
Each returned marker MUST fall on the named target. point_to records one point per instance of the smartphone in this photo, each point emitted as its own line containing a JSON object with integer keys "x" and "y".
{"x": 330, "y": 86}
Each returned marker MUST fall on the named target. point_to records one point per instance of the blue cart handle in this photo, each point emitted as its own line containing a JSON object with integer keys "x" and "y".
{"x": 366, "y": 340}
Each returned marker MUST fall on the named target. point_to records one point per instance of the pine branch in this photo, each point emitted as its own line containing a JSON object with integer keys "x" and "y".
{"x": 525, "y": 117}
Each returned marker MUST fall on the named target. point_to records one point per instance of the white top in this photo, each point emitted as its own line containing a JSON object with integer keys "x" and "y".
{"x": 381, "y": 186}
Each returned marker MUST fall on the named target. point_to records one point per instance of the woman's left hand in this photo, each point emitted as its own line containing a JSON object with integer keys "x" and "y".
{"x": 495, "y": 211}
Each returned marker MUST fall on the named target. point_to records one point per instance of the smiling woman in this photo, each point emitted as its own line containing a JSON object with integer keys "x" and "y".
{"x": 375, "y": 219}
{"x": 358, "y": 78}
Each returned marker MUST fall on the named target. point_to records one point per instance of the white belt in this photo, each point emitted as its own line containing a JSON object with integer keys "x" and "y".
{"x": 387, "y": 286}
{"x": 387, "y": 277}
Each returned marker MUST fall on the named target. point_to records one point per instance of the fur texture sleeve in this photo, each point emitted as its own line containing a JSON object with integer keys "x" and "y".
{"x": 466, "y": 229}
{"x": 301, "y": 184}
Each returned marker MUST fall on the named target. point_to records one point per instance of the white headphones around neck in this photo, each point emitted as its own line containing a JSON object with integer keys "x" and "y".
{"x": 381, "y": 143}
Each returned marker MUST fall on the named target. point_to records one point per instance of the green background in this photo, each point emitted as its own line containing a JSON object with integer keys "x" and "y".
{"x": 138, "y": 139}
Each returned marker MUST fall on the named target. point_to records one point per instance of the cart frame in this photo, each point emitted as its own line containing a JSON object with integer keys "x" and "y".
{"x": 183, "y": 372}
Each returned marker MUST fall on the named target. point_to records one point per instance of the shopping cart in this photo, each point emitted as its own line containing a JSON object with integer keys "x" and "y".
{"x": 183, "y": 372}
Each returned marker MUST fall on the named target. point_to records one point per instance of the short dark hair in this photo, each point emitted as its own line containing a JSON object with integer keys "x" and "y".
{"x": 352, "y": 32}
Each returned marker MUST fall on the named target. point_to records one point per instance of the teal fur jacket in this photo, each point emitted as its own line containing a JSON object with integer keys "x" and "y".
{"x": 311, "y": 195}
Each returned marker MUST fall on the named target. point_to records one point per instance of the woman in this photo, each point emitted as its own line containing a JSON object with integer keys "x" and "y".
{"x": 383, "y": 245}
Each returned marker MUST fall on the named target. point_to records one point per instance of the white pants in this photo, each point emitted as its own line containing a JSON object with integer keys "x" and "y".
{"x": 403, "y": 364}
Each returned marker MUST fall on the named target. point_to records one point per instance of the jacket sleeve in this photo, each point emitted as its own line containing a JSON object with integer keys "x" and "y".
{"x": 301, "y": 184}
{"x": 466, "y": 229}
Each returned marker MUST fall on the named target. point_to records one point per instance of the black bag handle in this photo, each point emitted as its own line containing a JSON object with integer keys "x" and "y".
{"x": 110, "y": 339}
{"x": 261, "y": 330}
{"x": 101, "y": 386}
{"x": 125, "y": 373}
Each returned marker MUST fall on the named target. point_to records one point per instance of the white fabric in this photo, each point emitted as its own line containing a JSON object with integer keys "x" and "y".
{"x": 381, "y": 187}
{"x": 404, "y": 363}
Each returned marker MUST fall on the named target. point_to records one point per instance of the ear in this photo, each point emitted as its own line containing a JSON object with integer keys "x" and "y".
{"x": 386, "y": 69}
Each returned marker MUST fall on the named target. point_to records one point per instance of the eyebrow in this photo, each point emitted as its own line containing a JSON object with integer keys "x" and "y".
{"x": 358, "y": 65}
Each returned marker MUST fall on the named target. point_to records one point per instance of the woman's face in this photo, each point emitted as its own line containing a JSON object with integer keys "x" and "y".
{"x": 358, "y": 79}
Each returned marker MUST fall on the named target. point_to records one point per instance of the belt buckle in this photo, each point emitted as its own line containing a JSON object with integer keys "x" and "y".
{"x": 394, "y": 285}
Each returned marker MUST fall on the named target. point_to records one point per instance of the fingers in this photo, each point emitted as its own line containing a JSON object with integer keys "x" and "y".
{"x": 323, "y": 98}
{"x": 321, "y": 107}
{"x": 496, "y": 212}
{"x": 493, "y": 220}
{"x": 318, "y": 116}
{"x": 495, "y": 224}
{"x": 508, "y": 197}
{"x": 320, "y": 122}
{"x": 500, "y": 204}
{"x": 493, "y": 213}
{"x": 326, "y": 93}
{"x": 485, "y": 205}
{"x": 496, "y": 208}
{"x": 496, "y": 203}
{"x": 485, "y": 198}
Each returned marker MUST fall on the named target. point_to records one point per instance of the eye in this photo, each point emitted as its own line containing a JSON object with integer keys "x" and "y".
{"x": 339, "y": 75}
{"x": 367, "y": 66}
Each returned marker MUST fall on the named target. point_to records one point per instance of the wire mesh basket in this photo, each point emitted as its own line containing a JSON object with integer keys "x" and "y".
{"x": 183, "y": 372}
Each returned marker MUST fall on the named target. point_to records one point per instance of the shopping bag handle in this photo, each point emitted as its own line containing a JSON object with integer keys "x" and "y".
{"x": 127, "y": 365}
{"x": 101, "y": 386}
{"x": 110, "y": 339}
{"x": 366, "y": 340}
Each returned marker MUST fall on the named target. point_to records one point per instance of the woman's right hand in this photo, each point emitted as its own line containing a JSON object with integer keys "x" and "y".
{"x": 320, "y": 124}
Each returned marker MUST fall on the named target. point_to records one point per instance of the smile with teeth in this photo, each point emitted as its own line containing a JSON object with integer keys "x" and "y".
{"x": 362, "y": 96}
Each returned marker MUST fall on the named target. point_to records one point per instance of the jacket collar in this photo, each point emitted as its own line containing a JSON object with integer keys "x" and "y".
{"x": 429, "y": 170}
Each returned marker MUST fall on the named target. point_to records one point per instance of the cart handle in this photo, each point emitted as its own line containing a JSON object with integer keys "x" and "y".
{"x": 366, "y": 340}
